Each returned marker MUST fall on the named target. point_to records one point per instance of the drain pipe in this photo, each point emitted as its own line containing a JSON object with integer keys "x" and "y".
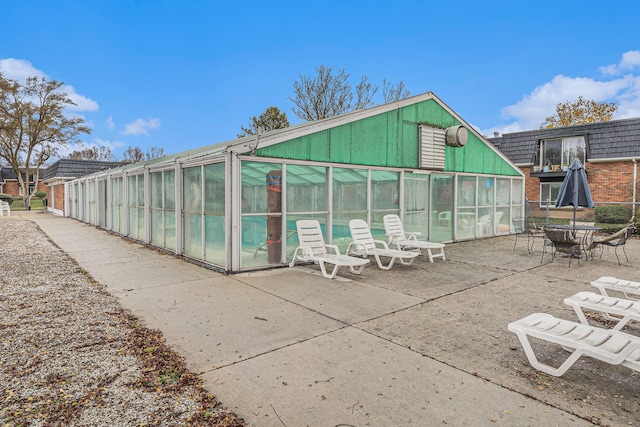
{"x": 635, "y": 182}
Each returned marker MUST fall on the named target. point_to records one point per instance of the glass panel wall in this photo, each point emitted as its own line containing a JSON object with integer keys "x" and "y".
{"x": 486, "y": 218}
{"x": 82, "y": 209}
{"x": 102, "y": 203}
{"x": 214, "y": 222}
{"x": 441, "y": 208}
{"x": 306, "y": 199}
{"x": 156, "y": 210}
{"x": 73, "y": 199}
{"x": 416, "y": 206}
{"x": 503, "y": 206}
{"x": 466, "y": 213}
{"x": 169, "y": 209}
{"x": 91, "y": 199}
{"x": 384, "y": 199}
{"x": 261, "y": 227}
{"x": 117, "y": 203}
{"x": 517, "y": 202}
{"x": 135, "y": 206}
{"x": 436, "y": 205}
{"x": 162, "y": 209}
{"x": 192, "y": 211}
{"x": 131, "y": 206}
{"x": 349, "y": 202}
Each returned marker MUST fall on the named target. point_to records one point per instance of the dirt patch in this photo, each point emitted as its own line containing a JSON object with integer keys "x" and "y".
{"x": 69, "y": 354}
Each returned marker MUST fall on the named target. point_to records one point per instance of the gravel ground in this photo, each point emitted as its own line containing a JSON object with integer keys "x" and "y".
{"x": 70, "y": 355}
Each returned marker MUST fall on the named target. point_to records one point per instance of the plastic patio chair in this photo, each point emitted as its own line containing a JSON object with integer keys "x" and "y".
{"x": 363, "y": 244}
{"x": 409, "y": 240}
{"x": 313, "y": 249}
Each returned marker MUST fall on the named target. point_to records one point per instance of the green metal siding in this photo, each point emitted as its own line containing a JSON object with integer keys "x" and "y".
{"x": 477, "y": 157}
{"x": 390, "y": 139}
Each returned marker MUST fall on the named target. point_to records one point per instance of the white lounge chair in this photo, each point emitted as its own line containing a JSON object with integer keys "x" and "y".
{"x": 409, "y": 241}
{"x": 607, "y": 345}
{"x": 313, "y": 249}
{"x": 363, "y": 244}
{"x": 630, "y": 290}
{"x": 617, "y": 309}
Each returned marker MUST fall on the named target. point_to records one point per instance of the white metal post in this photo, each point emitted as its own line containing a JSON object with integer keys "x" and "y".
{"x": 147, "y": 204}
{"x": 178, "y": 207}
{"x": 234, "y": 210}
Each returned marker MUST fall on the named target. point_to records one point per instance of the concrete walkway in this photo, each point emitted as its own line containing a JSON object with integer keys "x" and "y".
{"x": 287, "y": 347}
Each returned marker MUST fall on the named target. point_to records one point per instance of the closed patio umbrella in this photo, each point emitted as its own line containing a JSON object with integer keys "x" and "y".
{"x": 575, "y": 189}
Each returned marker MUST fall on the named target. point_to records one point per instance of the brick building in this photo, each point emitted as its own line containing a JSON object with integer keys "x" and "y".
{"x": 609, "y": 151}
{"x": 55, "y": 176}
{"x": 9, "y": 183}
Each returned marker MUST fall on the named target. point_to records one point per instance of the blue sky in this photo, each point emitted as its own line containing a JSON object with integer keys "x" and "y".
{"x": 184, "y": 74}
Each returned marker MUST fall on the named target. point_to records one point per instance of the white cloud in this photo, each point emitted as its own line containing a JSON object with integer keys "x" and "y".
{"x": 113, "y": 145}
{"x": 82, "y": 102}
{"x": 141, "y": 127}
{"x": 21, "y": 69}
{"x": 96, "y": 143}
{"x": 630, "y": 60}
{"x": 109, "y": 123}
{"x": 532, "y": 110}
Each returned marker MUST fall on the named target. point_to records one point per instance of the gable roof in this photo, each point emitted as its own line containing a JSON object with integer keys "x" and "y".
{"x": 613, "y": 140}
{"x": 385, "y": 135}
{"x": 336, "y": 139}
{"x": 7, "y": 173}
{"x": 70, "y": 168}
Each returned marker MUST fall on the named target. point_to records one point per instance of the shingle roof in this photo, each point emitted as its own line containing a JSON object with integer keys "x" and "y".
{"x": 69, "y": 168}
{"x": 605, "y": 140}
{"x": 7, "y": 173}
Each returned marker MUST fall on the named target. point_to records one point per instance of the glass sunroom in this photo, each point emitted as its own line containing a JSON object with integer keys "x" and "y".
{"x": 234, "y": 206}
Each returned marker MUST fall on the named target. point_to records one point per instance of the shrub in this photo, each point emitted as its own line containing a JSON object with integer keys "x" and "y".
{"x": 613, "y": 214}
{"x": 6, "y": 198}
{"x": 41, "y": 194}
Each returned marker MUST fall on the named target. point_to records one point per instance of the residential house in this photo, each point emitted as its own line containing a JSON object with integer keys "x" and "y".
{"x": 9, "y": 183}
{"x": 63, "y": 170}
{"x": 609, "y": 151}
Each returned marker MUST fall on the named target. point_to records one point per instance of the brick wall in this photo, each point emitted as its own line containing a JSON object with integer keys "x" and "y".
{"x": 609, "y": 182}
{"x": 56, "y": 200}
{"x": 13, "y": 188}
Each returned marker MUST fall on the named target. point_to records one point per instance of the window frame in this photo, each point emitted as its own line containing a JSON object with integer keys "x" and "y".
{"x": 543, "y": 202}
{"x": 564, "y": 140}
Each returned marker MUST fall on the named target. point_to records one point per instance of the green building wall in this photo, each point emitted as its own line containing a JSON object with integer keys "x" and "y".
{"x": 390, "y": 139}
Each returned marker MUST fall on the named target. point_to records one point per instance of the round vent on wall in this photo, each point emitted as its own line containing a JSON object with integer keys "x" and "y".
{"x": 456, "y": 136}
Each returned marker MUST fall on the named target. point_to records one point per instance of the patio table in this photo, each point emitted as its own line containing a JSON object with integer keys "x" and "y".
{"x": 585, "y": 239}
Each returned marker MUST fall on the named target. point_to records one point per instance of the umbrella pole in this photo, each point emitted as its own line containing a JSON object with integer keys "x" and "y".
{"x": 548, "y": 201}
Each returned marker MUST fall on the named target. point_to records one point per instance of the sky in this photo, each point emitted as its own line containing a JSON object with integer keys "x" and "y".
{"x": 185, "y": 74}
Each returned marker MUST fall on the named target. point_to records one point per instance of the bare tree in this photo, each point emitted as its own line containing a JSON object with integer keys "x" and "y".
{"x": 132, "y": 155}
{"x": 329, "y": 94}
{"x": 271, "y": 119}
{"x": 135, "y": 154}
{"x": 34, "y": 126}
{"x": 154, "y": 153}
{"x": 94, "y": 153}
{"x": 392, "y": 93}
